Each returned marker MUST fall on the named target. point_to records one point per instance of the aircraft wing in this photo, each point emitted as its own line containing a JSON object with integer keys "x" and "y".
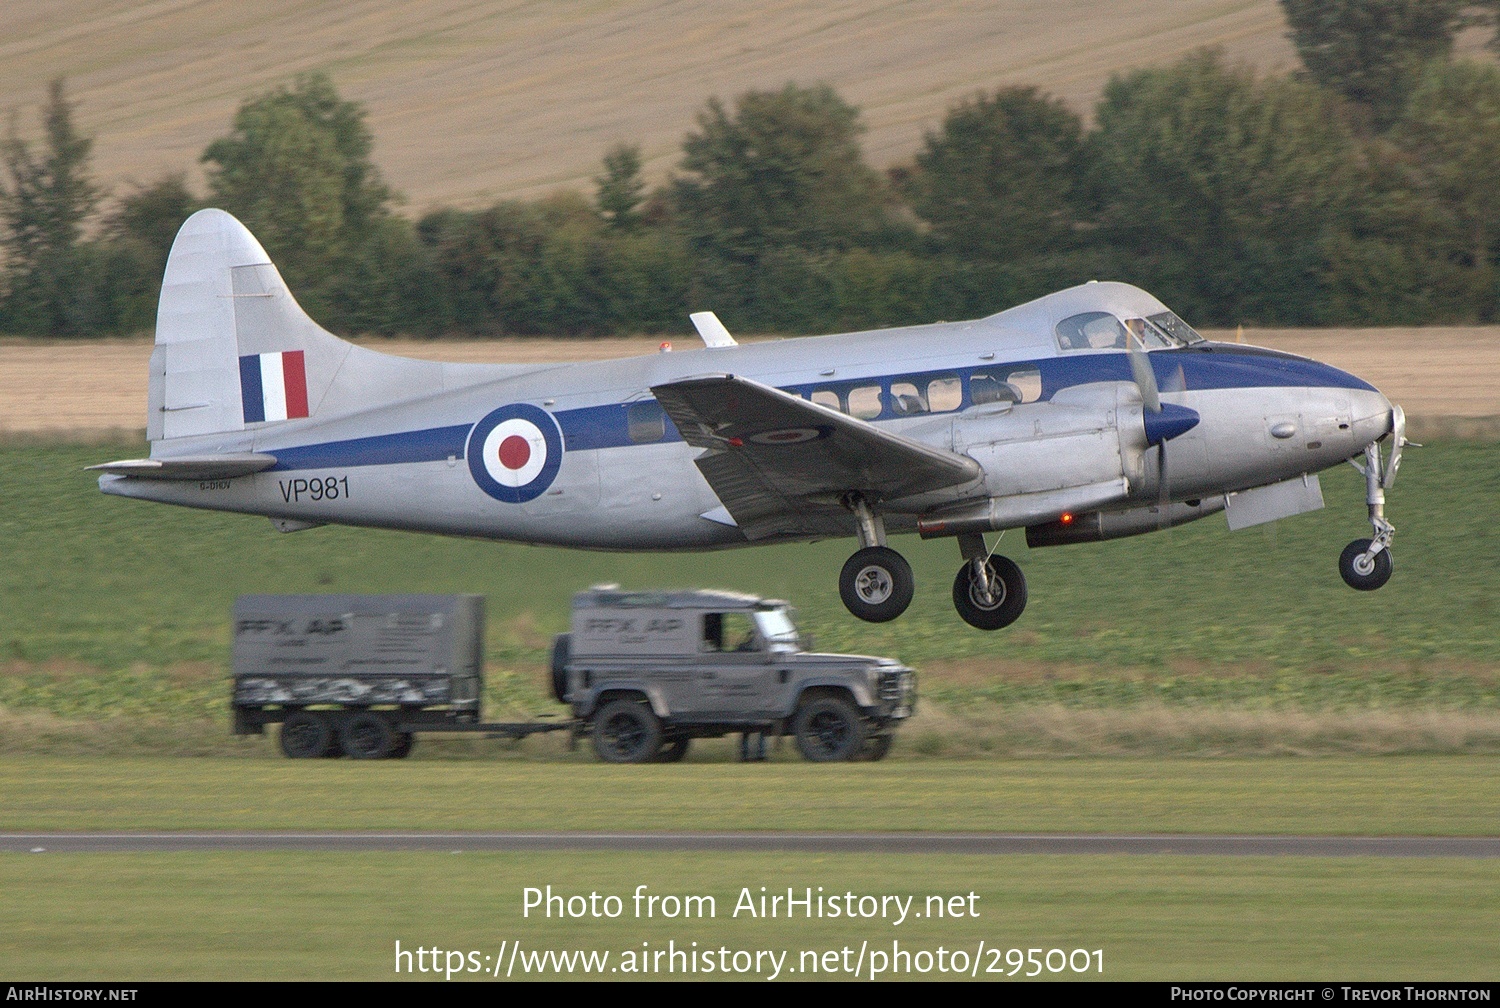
{"x": 781, "y": 464}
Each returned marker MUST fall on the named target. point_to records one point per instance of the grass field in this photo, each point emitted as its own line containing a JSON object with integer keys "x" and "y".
{"x": 1437, "y": 795}
{"x": 339, "y": 916}
{"x": 115, "y": 609}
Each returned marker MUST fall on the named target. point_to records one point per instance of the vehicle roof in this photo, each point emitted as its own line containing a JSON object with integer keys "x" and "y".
{"x": 693, "y": 598}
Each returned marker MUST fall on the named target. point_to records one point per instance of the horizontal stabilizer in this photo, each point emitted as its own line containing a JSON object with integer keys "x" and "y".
{"x": 191, "y": 467}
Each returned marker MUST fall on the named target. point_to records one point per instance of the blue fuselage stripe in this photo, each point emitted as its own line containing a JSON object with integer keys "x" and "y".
{"x": 593, "y": 427}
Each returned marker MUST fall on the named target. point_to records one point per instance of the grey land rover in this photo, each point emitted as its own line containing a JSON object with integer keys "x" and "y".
{"x": 647, "y": 672}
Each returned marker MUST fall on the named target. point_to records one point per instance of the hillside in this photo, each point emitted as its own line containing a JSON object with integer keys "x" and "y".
{"x": 474, "y": 100}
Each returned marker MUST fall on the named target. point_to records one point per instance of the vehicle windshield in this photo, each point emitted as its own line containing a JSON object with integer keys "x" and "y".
{"x": 777, "y": 628}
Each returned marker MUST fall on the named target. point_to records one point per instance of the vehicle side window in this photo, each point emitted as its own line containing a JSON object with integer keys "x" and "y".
{"x": 906, "y": 400}
{"x": 646, "y": 422}
{"x": 732, "y": 631}
{"x": 864, "y": 402}
{"x": 1091, "y": 331}
{"x": 829, "y": 398}
{"x": 945, "y": 394}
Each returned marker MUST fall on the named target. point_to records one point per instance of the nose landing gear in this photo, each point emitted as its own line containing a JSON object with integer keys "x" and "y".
{"x": 1366, "y": 564}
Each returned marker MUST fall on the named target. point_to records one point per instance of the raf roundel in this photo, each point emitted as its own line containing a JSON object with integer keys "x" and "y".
{"x": 514, "y": 453}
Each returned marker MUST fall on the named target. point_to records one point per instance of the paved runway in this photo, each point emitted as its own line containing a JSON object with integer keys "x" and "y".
{"x": 837, "y": 843}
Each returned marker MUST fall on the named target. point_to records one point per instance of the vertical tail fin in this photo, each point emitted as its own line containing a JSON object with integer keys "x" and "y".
{"x": 233, "y": 348}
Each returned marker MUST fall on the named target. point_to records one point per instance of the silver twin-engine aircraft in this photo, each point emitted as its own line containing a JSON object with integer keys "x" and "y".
{"x": 1084, "y": 415}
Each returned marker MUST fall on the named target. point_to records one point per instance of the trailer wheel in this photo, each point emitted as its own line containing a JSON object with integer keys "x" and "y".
{"x": 402, "y": 746}
{"x": 626, "y": 732}
{"x": 829, "y": 729}
{"x": 367, "y": 736}
{"x": 306, "y": 735}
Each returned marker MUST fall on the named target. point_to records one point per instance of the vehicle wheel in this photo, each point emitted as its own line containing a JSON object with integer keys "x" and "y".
{"x": 876, "y": 748}
{"x": 367, "y": 736}
{"x": 626, "y": 732}
{"x": 306, "y": 735}
{"x": 562, "y": 647}
{"x": 673, "y": 750}
{"x": 401, "y": 748}
{"x": 1006, "y": 601}
{"x": 876, "y": 584}
{"x": 829, "y": 729}
{"x": 1364, "y": 573}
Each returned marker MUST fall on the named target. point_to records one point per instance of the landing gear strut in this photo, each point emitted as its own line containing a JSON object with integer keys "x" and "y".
{"x": 989, "y": 591}
{"x": 1366, "y": 564}
{"x": 876, "y": 583}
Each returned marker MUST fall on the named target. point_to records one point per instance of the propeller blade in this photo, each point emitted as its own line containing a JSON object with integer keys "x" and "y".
{"x": 1164, "y": 493}
{"x": 1145, "y": 378}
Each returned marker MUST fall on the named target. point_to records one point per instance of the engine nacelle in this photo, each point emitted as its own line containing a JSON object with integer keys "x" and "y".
{"x": 1096, "y": 526}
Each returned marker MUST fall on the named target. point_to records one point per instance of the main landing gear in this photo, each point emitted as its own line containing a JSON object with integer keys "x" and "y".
{"x": 876, "y": 583}
{"x": 1366, "y": 564}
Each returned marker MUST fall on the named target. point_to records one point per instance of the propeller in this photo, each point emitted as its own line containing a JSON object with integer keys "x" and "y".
{"x": 1162, "y": 421}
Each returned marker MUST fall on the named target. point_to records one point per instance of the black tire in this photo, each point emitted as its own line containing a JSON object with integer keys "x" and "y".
{"x": 402, "y": 747}
{"x": 1007, "y": 599}
{"x": 562, "y": 649}
{"x": 1369, "y": 574}
{"x": 673, "y": 750}
{"x": 626, "y": 732}
{"x": 367, "y": 736}
{"x": 307, "y": 735}
{"x": 876, "y": 748}
{"x": 829, "y": 729}
{"x": 876, "y": 584}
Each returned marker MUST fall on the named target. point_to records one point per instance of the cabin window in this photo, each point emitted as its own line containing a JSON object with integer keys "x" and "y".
{"x": 829, "y": 398}
{"x": 945, "y": 394}
{"x": 1018, "y": 385}
{"x": 646, "y": 422}
{"x": 906, "y": 400}
{"x": 1091, "y": 331}
{"x": 864, "y": 402}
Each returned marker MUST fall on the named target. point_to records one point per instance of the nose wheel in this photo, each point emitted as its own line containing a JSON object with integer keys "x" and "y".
{"x": 1362, "y": 569}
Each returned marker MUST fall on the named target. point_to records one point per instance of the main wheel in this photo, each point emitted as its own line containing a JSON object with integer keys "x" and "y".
{"x": 307, "y": 735}
{"x": 829, "y": 729}
{"x": 401, "y": 748}
{"x": 876, "y": 584}
{"x": 1004, "y": 603}
{"x": 367, "y": 736}
{"x": 1364, "y": 573}
{"x": 626, "y": 732}
{"x": 673, "y": 750}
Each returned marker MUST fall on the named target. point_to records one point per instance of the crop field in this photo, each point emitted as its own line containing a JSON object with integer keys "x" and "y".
{"x": 524, "y": 98}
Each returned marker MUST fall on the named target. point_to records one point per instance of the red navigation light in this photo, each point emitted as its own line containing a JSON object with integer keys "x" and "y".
{"x": 665, "y": 347}
{"x": 1067, "y": 518}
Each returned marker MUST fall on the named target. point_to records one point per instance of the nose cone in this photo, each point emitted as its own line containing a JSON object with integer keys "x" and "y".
{"x": 1372, "y": 415}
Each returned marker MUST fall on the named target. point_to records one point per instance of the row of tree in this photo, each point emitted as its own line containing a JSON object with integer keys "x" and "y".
{"x": 1365, "y": 189}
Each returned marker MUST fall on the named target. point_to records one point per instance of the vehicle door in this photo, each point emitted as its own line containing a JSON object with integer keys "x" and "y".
{"x": 734, "y": 678}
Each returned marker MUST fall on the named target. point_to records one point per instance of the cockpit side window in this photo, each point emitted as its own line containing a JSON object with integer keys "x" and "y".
{"x": 1145, "y": 334}
{"x": 1090, "y": 331}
